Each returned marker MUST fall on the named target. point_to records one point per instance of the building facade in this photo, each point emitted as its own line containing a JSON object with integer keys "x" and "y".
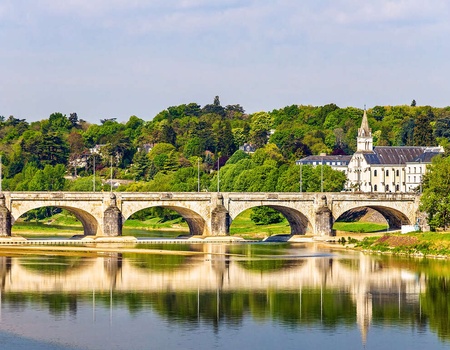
{"x": 383, "y": 168}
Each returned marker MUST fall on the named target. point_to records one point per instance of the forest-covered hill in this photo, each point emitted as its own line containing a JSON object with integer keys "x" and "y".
{"x": 181, "y": 148}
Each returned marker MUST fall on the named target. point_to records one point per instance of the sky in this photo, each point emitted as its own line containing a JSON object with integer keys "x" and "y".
{"x": 118, "y": 58}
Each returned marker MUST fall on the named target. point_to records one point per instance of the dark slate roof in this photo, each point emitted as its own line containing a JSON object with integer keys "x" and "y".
{"x": 400, "y": 155}
{"x": 327, "y": 158}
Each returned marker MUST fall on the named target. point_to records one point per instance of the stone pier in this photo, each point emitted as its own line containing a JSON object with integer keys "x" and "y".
{"x": 210, "y": 213}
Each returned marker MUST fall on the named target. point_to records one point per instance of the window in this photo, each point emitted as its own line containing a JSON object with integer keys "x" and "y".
{"x": 397, "y": 173}
{"x": 387, "y": 188}
{"x": 397, "y": 188}
{"x": 387, "y": 172}
{"x": 375, "y": 188}
{"x": 375, "y": 174}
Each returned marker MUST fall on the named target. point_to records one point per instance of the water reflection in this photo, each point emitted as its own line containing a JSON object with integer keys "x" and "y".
{"x": 223, "y": 286}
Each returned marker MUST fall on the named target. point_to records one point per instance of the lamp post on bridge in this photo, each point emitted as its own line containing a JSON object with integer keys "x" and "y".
{"x": 301, "y": 177}
{"x": 111, "y": 174}
{"x": 218, "y": 174}
{"x": 198, "y": 174}
{"x": 93, "y": 172}
{"x": 321, "y": 175}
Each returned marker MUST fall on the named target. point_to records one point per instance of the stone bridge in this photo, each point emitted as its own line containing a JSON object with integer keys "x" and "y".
{"x": 210, "y": 213}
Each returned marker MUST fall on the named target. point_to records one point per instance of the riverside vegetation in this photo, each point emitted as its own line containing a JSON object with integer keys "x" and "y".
{"x": 185, "y": 147}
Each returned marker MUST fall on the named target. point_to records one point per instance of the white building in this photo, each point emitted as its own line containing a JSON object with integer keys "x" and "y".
{"x": 384, "y": 168}
{"x": 337, "y": 162}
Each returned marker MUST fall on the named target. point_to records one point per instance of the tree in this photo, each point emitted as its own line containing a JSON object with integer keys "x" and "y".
{"x": 225, "y": 140}
{"x": 407, "y": 133}
{"x": 261, "y": 124}
{"x": 73, "y": 119}
{"x": 423, "y": 132}
{"x": 435, "y": 200}
{"x": 237, "y": 156}
{"x": 265, "y": 216}
{"x": 215, "y": 108}
{"x": 141, "y": 165}
{"x": 58, "y": 122}
{"x": 442, "y": 128}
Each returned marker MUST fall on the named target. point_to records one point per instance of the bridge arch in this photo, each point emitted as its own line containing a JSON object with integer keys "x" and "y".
{"x": 195, "y": 221}
{"x": 88, "y": 221}
{"x": 298, "y": 222}
{"x": 398, "y": 209}
{"x": 394, "y": 217}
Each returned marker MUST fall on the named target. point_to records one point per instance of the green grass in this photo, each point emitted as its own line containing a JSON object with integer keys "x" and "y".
{"x": 244, "y": 227}
{"x": 359, "y": 227}
{"x": 66, "y": 224}
{"x": 427, "y": 243}
{"x": 156, "y": 224}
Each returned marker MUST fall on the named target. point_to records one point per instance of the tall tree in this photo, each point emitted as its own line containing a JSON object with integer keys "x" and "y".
{"x": 423, "y": 131}
{"x": 435, "y": 200}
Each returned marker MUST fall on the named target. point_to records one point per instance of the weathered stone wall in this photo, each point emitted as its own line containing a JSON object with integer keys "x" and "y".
{"x": 209, "y": 213}
{"x": 5, "y": 218}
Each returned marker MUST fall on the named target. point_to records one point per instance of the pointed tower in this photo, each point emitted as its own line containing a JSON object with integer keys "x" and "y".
{"x": 364, "y": 141}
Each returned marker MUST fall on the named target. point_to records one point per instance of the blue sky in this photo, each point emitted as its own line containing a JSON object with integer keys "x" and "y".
{"x": 117, "y": 58}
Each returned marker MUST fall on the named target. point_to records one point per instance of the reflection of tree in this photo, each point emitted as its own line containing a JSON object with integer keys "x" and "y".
{"x": 263, "y": 257}
{"x": 330, "y": 308}
{"x": 157, "y": 262}
{"x": 436, "y": 305}
{"x": 53, "y": 264}
{"x": 59, "y": 303}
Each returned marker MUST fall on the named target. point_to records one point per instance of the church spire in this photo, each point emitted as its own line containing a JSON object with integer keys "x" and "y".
{"x": 364, "y": 141}
{"x": 364, "y": 130}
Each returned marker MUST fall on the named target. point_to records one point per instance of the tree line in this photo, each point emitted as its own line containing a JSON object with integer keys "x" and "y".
{"x": 190, "y": 147}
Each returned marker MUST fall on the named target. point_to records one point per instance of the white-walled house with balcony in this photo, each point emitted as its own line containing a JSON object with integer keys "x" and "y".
{"x": 383, "y": 168}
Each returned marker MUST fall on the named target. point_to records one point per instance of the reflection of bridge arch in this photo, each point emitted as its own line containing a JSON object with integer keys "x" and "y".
{"x": 205, "y": 273}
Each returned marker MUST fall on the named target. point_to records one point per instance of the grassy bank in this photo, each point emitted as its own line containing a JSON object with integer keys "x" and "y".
{"x": 354, "y": 235}
{"x": 67, "y": 226}
{"x": 359, "y": 227}
{"x": 422, "y": 244}
{"x": 244, "y": 227}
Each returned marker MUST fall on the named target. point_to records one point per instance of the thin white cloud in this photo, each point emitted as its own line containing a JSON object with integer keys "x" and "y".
{"x": 374, "y": 11}
{"x": 262, "y": 54}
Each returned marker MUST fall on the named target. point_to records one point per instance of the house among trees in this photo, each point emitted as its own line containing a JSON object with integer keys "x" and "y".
{"x": 248, "y": 148}
{"x": 381, "y": 168}
{"x": 337, "y": 162}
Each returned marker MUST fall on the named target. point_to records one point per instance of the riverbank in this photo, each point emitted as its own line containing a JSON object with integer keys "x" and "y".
{"x": 426, "y": 244}
{"x": 414, "y": 244}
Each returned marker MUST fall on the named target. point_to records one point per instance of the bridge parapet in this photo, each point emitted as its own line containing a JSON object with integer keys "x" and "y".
{"x": 209, "y": 213}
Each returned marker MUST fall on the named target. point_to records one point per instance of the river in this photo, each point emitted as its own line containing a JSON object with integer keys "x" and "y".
{"x": 223, "y": 296}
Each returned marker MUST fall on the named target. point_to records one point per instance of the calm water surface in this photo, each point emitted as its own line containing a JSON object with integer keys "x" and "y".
{"x": 240, "y": 296}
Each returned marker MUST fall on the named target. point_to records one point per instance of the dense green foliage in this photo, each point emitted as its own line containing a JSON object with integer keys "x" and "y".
{"x": 436, "y": 194}
{"x": 183, "y": 147}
